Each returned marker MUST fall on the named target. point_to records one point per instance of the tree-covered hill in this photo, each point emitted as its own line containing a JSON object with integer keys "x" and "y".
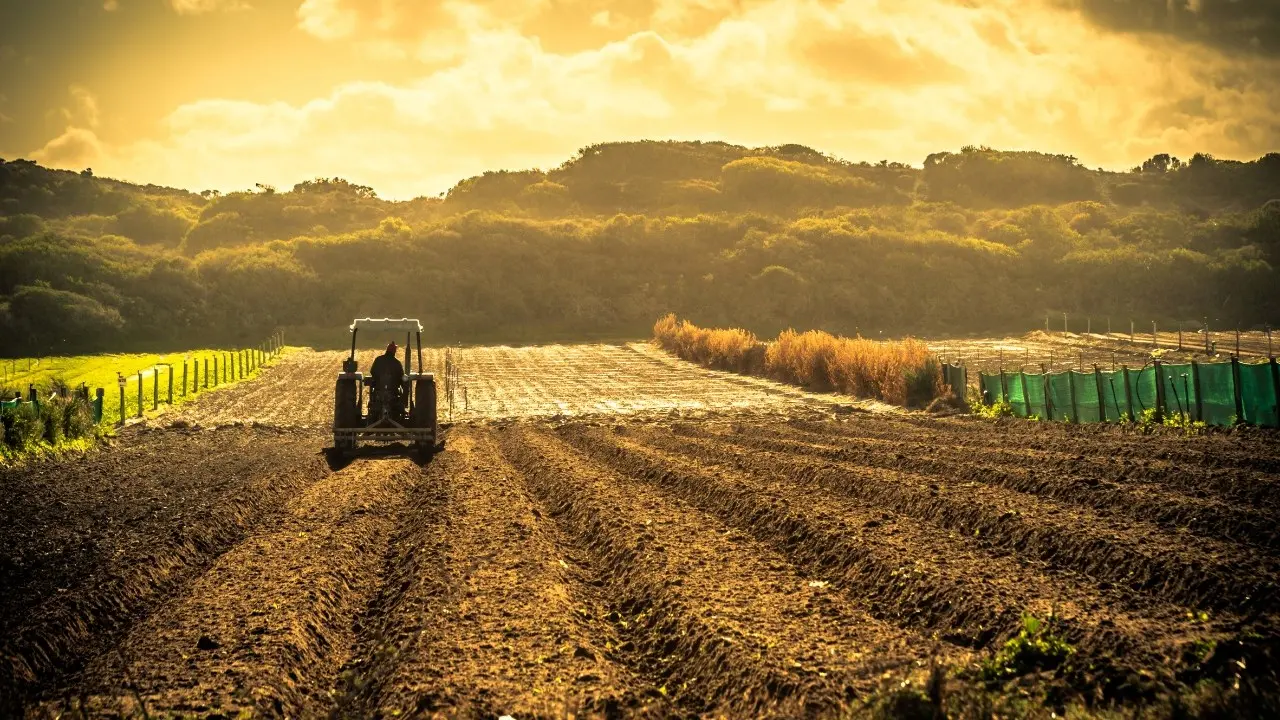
{"x": 764, "y": 238}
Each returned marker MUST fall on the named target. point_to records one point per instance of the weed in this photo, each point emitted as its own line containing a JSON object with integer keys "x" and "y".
{"x": 998, "y": 409}
{"x": 1036, "y": 647}
{"x": 1185, "y": 423}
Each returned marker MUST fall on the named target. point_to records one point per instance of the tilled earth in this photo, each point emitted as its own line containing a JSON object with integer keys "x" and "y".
{"x": 779, "y": 559}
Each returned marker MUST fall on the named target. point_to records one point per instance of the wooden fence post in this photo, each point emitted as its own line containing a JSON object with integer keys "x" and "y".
{"x": 155, "y": 387}
{"x": 1128, "y": 393}
{"x": 170, "y": 384}
{"x": 184, "y": 377}
{"x": 206, "y": 373}
{"x": 1195, "y": 386}
{"x": 1026, "y": 398}
{"x": 1071, "y": 389}
{"x": 1235, "y": 388}
{"x": 1102, "y": 398}
{"x": 139, "y": 393}
{"x": 1160, "y": 400}
{"x": 121, "y": 382}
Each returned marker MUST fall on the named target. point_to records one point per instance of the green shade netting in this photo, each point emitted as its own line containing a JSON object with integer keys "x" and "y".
{"x": 1013, "y": 381}
{"x": 1142, "y": 390}
{"x": 1060, "y": 396}
{"x": 1115, "y": 403}
{"x": 1178, "y": 390}
{"x": 1035, "y": 395}
{"x": 1085, "y": 390}
{"x": 1258, "y": 393}
{"x": 1217, "y": 394}
{"x": 990, "y": 385}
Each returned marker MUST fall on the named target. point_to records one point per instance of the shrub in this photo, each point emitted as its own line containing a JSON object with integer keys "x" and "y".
{"x": 23, "y": 426}
{"x": 900, "y": 372}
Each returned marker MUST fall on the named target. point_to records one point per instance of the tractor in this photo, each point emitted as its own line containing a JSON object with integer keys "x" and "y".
{"x": 402, "y": 408}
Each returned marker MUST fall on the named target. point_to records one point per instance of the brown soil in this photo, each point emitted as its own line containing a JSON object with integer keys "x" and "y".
{"x": 767, "y": 558}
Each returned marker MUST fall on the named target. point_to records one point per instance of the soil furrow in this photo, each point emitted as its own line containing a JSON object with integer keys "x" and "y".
{"x": 1205, "y": 575}
{"x": 266, "y": 629}
{"x": 1237, "y": 486}
{"x": 485, "y": 614}
{"x": 727, "y": 623}
{"x": 1249, "y": 452}
{"x": 917, "y": 578}
{"x": 1144, "y": 502}
{"x": 159, "y": 509}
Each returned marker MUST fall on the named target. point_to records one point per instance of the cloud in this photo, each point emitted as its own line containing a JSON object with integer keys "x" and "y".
{"x": 1235, "y": 26}
{"x": 198, "y": 7}
{"x": 111, "y": 5}
{"x": 84, "y": 108}
{"x": 76, "y": 148}
{"x": 858, "y": 78}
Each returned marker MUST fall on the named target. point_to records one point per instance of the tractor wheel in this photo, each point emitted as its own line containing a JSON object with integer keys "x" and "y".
{"x": 346, "y": 411}
{"x": 424, "y": 411}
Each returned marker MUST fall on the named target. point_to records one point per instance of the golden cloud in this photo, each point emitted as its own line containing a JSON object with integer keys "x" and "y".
{"x": 857, "y": 78}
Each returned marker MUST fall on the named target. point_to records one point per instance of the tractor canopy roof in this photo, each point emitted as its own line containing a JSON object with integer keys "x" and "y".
{"x": 401, "y": 324}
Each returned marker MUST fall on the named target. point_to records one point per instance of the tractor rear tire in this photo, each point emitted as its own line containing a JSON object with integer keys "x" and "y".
{"x": 346, "y": 412}
{"x": 424, "y": 412}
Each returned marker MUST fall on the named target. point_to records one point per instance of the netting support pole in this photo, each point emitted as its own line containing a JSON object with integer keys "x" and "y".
{"x": 1102, "y": 397}
{"x": 1195, "y": 386}
{"x": 1071, "y": 389}
{"x": 1275, "y": 386}
{"x": 1044, "y": 386}
{"x": 1235, "y": 389}
{"x": 1128, "y": 394}
{"x": 1179, "y": 337}
{"x": 1026, "y": 398}
{"x": 1159, "y": 390}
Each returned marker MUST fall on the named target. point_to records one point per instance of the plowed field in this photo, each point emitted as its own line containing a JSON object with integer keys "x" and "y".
{"x": 610, "y": 532}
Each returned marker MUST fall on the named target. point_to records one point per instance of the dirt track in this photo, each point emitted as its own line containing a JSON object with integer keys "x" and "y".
{"x": 790, "y": 563}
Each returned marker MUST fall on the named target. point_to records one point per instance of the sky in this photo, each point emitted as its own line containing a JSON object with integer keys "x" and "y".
{"x": 411, "y": 96}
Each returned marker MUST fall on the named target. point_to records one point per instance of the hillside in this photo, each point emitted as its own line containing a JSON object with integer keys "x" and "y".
{"x": 764, "y": 238}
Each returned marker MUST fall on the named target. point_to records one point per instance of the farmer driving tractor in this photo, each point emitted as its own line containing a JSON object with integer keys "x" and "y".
{"x": 387, "y": 374}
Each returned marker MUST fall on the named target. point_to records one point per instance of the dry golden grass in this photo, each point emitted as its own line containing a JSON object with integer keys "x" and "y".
{"x": 899, "y": 372}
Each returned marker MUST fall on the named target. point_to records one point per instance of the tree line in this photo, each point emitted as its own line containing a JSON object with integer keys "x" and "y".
{"x": 979, "y": 240}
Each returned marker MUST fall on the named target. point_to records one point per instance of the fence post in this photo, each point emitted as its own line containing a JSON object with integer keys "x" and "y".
{"x": 1195, "y": 386}
{"x": 1071, "y": 389}
{"x": 1128, "y": 394}
{"x": 1275, "y": 386}
{"x": 1064, "y": 323}
{"x": 1235, "y": 389}
{"x": 100, "y": 397}
{"x": 1160, "y": 399}
{"x": 155, "y": 387}
{"x": 1179, "y": 337}
{"x": 1102, "y": 398}
{"x": 184, "y": 377}
{"x": 1044, "y": 386}
{"x": 170, "y": 383}
{"x": 1026, "y": 398}
{"x": 139, "y": 393}
{"x": 120, "y": 380}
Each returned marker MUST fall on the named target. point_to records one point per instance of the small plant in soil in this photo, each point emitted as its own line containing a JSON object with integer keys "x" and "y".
{"x": 1037, "y": 646}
